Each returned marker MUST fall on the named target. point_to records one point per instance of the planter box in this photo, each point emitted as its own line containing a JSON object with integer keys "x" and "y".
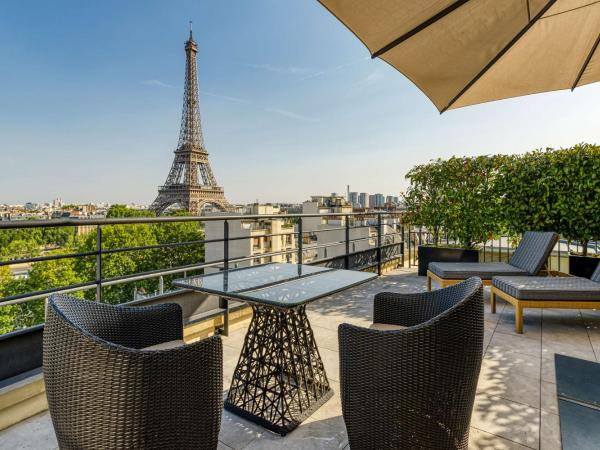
{"x": 582, "y": 266}
{"x": 429, "y": 254}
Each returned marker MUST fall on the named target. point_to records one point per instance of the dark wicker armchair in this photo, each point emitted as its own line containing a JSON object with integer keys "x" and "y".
{"x": 414, "y": 388}
{"x": 105, "y": 391}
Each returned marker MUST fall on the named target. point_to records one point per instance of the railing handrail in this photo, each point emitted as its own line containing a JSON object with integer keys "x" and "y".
{"x": 11, "y": 224}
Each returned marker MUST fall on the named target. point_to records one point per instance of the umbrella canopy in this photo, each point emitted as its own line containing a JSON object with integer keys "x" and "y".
{"x": 463, "y": 52}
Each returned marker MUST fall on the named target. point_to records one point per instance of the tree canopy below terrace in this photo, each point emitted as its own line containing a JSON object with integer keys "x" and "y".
{"x": 22, "y": 243}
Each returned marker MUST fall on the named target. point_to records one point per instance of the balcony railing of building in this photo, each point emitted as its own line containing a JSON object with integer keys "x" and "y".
{"x": 22, "y": 348}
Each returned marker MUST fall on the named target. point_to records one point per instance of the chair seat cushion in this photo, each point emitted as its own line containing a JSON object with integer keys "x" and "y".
{"x": 549, "y": 288}
{"x": 166, "y": 345}
{"x": 462, "y": 271}
{"x": 386, "y": 327}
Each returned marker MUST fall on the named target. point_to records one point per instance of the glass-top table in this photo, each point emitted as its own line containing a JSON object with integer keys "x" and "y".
{"x": 247, "y": 278}
{"x": 280, "y": 379}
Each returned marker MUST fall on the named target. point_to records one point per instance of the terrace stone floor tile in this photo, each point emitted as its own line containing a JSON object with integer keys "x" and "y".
{"x": 515, "y": 406}
{"x": 515, "y": 380}
{"x": 577, "y": 348}
{"x": 503, "y": 342}
{"x": 480, "y": 440}
{"x": 548, "y": 397}
{"x": 550, "y": 432}
{"x": 514, "y": 421}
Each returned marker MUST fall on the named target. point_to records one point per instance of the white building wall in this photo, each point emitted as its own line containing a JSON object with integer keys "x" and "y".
{"x": 214, "y": 251}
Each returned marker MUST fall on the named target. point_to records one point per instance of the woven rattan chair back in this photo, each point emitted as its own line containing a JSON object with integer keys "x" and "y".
{"x": 105, "y": 392}
{"x": 414, "y": 388}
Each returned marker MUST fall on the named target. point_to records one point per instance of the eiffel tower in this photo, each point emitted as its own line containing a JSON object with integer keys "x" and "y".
{"x": 190, "y": 183}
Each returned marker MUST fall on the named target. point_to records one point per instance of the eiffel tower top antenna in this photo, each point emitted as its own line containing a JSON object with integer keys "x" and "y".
{"x": 190, "y": 30}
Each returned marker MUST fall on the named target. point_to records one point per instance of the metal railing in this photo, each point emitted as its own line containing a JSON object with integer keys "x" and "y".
{"x": 499, "y": 249}
{"x": 388, "y": 246}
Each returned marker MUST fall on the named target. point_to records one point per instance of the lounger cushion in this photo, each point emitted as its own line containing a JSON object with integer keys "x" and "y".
{"x": 485, "y": 271}
{"x": 533, "y": 251}
{"x": 549, "y": 288}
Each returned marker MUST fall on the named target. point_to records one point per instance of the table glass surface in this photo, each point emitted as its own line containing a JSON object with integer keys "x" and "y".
{"x": 246, "y": 278}
{"x": 303, "y": 290}
{"x": 276, "y": 284}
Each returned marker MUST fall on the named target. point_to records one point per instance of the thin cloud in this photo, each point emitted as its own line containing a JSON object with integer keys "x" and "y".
{"x": 156, "y": 83}
{"x": 225, "y": 97}
{"x": 291, "y": 115}
{"x": 370, "y": 79}
{"x": 289, "y": 70}
{"x": 334, "y": 69}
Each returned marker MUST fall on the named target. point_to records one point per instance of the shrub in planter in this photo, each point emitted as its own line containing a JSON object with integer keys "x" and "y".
{"x": 576, "y": 172}
{"x": 425, "y": 197}
{"x": 554, "y": 190}
{"x": 471, "y": 199}
{"x": 458, "y": 196}
{"x": 526, "y": 194}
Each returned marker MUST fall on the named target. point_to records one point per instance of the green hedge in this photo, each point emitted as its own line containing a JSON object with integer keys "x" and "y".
{"x": 476, "y": 198}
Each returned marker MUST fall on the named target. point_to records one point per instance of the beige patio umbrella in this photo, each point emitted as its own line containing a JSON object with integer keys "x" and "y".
{"x": 465, "y": 52}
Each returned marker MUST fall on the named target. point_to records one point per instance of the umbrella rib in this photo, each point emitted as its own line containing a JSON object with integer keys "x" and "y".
{"x": 587, "y": 61}
{"x": 495, "y": 59}
{"x": 443, "y": 13}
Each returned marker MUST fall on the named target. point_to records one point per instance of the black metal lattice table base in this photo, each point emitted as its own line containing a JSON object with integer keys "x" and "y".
{"x": 280, "y": 378}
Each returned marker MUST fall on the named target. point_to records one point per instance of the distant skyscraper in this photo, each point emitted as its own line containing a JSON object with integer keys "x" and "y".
{"x": 391, "y": 199}
{"x": 372, "y": 202}
{"x": 363, "y": 199}
{"x": 376, "y": 200}
{"x": 353, "y": 199}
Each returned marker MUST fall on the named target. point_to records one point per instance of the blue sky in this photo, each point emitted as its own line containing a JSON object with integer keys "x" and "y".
{"x": 291, "y": 103}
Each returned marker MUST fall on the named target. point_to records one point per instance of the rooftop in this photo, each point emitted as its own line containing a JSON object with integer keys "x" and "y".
{"x": 515, "y": 406}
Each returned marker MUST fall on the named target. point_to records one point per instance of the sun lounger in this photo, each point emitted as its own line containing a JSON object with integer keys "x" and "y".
{"x": 546, "y": 292}
{"x": 527, "y": 260}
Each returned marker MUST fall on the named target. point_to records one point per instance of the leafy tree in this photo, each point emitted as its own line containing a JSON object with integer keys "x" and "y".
{"x": 58, "y": 236}
{"x": 576, "y": 184}
{"x": 526, "y": 190}
{"x": 21, "y": 248}
{"x": 43, "y": 275}
{"x": 33, "y": 235}
{"x": 470, "y": 199}
{"x": 7, "y": 313}
{"x": 116, "y": 264}
{"x": 456, "y": 195}
{"x": 425, "y": 195}
{"x": 116, "y": 211}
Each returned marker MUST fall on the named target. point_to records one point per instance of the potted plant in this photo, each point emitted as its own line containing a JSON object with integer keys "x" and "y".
{"x": 526, "y": 192}
{"x": 554, "y": 190}
{"x": 457, "y": 196}
{"x": 577, "y": 172}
